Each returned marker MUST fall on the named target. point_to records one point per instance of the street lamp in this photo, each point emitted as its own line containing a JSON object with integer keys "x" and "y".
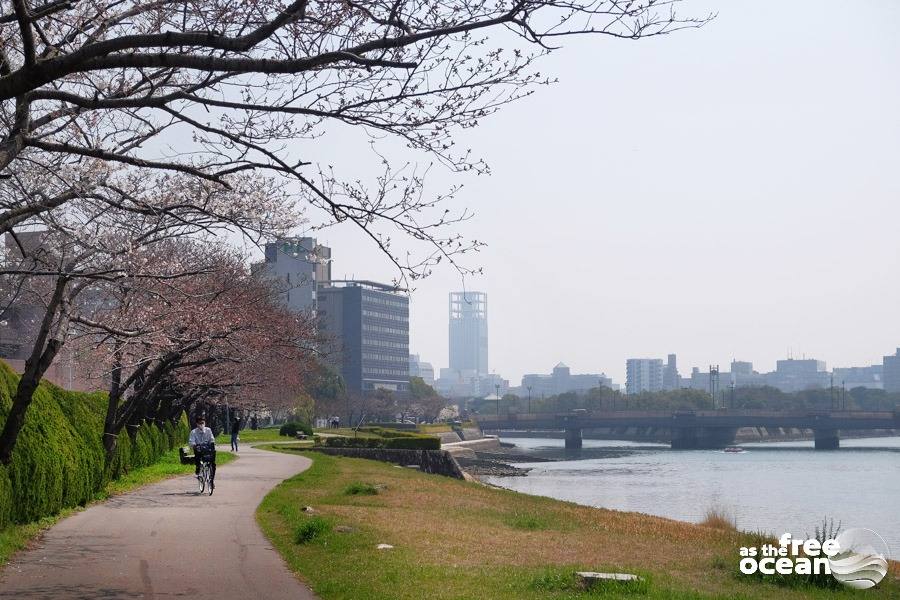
{"x": 529, "y": 399}
{"x": 497, "y": 393}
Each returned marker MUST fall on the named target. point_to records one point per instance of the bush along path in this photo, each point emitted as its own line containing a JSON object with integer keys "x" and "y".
{"x": 165, "y": 540}
{"x": 59, "y": 460}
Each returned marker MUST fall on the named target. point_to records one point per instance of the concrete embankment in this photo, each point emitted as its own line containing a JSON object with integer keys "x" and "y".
{"x": 469, "y": 447}
{"x": 486, "y": 456}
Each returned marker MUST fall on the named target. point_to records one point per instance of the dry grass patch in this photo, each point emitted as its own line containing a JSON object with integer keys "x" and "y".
{"x": 456, "y": 539}
{"x": 718, "y": 518}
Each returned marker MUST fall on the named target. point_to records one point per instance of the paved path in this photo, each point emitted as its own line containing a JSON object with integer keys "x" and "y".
{"x": 164, "y": 541}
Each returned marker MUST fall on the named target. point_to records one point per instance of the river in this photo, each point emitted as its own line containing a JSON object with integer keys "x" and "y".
{"x": 774, "y": 487}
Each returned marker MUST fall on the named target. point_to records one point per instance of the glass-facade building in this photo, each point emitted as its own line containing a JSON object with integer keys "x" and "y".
{"x": 468, "y": 332}
{"x": 367, "y": 324}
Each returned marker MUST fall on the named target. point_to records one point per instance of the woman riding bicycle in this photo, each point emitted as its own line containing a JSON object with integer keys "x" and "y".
{"x": 203, "y": 443}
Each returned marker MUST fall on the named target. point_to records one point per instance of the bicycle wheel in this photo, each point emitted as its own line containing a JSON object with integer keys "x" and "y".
{"x": 203, "y": 477}
{"x": 209, "y": 487}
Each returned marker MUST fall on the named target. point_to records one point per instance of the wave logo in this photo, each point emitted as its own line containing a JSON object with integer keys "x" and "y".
{"x": 862, "y": 560}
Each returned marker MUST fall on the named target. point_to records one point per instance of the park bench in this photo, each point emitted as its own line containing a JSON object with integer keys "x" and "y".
{"x": 185, "y": 456}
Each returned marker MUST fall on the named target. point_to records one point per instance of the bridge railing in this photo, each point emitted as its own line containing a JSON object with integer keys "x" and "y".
{"x": 525, "y": 418}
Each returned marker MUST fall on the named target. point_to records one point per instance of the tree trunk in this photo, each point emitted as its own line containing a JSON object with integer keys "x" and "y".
{"x": 110, "y": 435}
{"x": 42, "y": 356}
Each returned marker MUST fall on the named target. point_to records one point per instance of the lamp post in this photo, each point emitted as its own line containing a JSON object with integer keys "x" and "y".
{"x": 529, "y": 399}
{"x": 497, "y": 393}
{"x": 832, "y": 390}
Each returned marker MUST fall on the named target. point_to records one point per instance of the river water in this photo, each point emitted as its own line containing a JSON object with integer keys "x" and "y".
{"x": 774, "y": 487}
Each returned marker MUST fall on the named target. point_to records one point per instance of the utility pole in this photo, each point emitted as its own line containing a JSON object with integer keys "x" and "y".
{"x": 832, "y": 390}
{"x": 714, "y": 384}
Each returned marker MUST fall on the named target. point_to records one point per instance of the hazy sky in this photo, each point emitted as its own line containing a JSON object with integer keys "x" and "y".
{"x": 724, "y": 192}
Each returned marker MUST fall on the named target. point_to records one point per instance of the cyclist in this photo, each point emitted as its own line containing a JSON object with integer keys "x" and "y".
{"x": 203, "y": 443}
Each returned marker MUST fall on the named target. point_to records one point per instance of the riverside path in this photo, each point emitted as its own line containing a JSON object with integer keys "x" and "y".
{"x": 165, "y": 541}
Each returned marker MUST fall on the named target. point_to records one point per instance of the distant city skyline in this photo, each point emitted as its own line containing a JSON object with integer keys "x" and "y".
{"x": 723, "y": 193}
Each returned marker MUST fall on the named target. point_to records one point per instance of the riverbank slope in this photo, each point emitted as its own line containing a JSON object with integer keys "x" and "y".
{"x": 454, "y": 539}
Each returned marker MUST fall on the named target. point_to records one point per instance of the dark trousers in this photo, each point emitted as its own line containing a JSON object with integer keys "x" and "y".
{"x": 234, "y": 441}
{"x": 210, "y": 457}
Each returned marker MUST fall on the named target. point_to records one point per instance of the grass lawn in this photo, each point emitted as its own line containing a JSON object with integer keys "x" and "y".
{"x": 456, "y": 539}
{"x": 348, "y": 432}
{"x": 16, "y": 537}
{"x": 251, "y": 436}
{"x": 442, "y": 427}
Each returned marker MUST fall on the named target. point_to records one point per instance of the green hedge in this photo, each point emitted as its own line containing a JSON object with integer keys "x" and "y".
{"x": 419, "y": 442}
{"x": 388, "y": 433}
{"x": 404, "y": 442}
{"x": 291, "y": 428}
{"x": 59, "y": 460}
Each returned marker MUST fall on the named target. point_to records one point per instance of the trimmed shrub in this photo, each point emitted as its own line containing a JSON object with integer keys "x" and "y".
{"x": 157, "y": 439}
{"x": 395, "y": 426}
{"x": 290, "y": 429}
{"x": 121, "y": 462}
{"x": 182, "y": 430}
{"x": 59, "y": 460}
{"x": 388, "y": 432}
{"x": 419, "y": 442}
{"x": 171, "y": 440}
{"x": 406, "y": 442}
{"x": 142, "y": 452}
{"x": 5, "y": 498}
{"x": 348, "y": 442}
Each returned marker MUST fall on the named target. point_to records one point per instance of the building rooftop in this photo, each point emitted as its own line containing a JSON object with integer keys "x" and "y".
{"x": 364, "y": 283}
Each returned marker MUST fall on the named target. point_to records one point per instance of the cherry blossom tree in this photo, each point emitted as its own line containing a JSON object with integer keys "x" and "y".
{"x": 80, "y": 262}
{"x": 126, "y": 126}
{"x": 212, "y": 90}
{"x": 214, "y": 335}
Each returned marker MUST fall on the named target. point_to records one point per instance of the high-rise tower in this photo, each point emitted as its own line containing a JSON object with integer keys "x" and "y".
{"x": 469, "y": 332}
{"x": 299, "y": 267}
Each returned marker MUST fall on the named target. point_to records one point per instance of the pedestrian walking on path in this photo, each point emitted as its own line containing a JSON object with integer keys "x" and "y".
{"x": 235, "y": 430}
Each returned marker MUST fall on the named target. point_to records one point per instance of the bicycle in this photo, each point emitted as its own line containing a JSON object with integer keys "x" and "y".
{"x": 204, "y": 477}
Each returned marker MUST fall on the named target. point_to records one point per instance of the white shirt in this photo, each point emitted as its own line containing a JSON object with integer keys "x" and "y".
{"x": 202, "y": 435}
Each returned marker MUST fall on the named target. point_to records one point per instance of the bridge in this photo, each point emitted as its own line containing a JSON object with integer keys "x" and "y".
{"x": 696, "y": 429}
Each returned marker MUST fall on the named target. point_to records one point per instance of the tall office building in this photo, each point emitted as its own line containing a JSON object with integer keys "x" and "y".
{"x": 469, "y": 332}
{"x": 419, "y": 368}
{"x": 891, "y": 372}
{"x": 870, "y": 377}
{"x": 671, "y": 378}
{"x": 794, "y": 375}
{"x": 368, "y": 326}
{"x": 299, "y": 267}
{"x": 562, "y": 380}
{"x": 643, "y": 375}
